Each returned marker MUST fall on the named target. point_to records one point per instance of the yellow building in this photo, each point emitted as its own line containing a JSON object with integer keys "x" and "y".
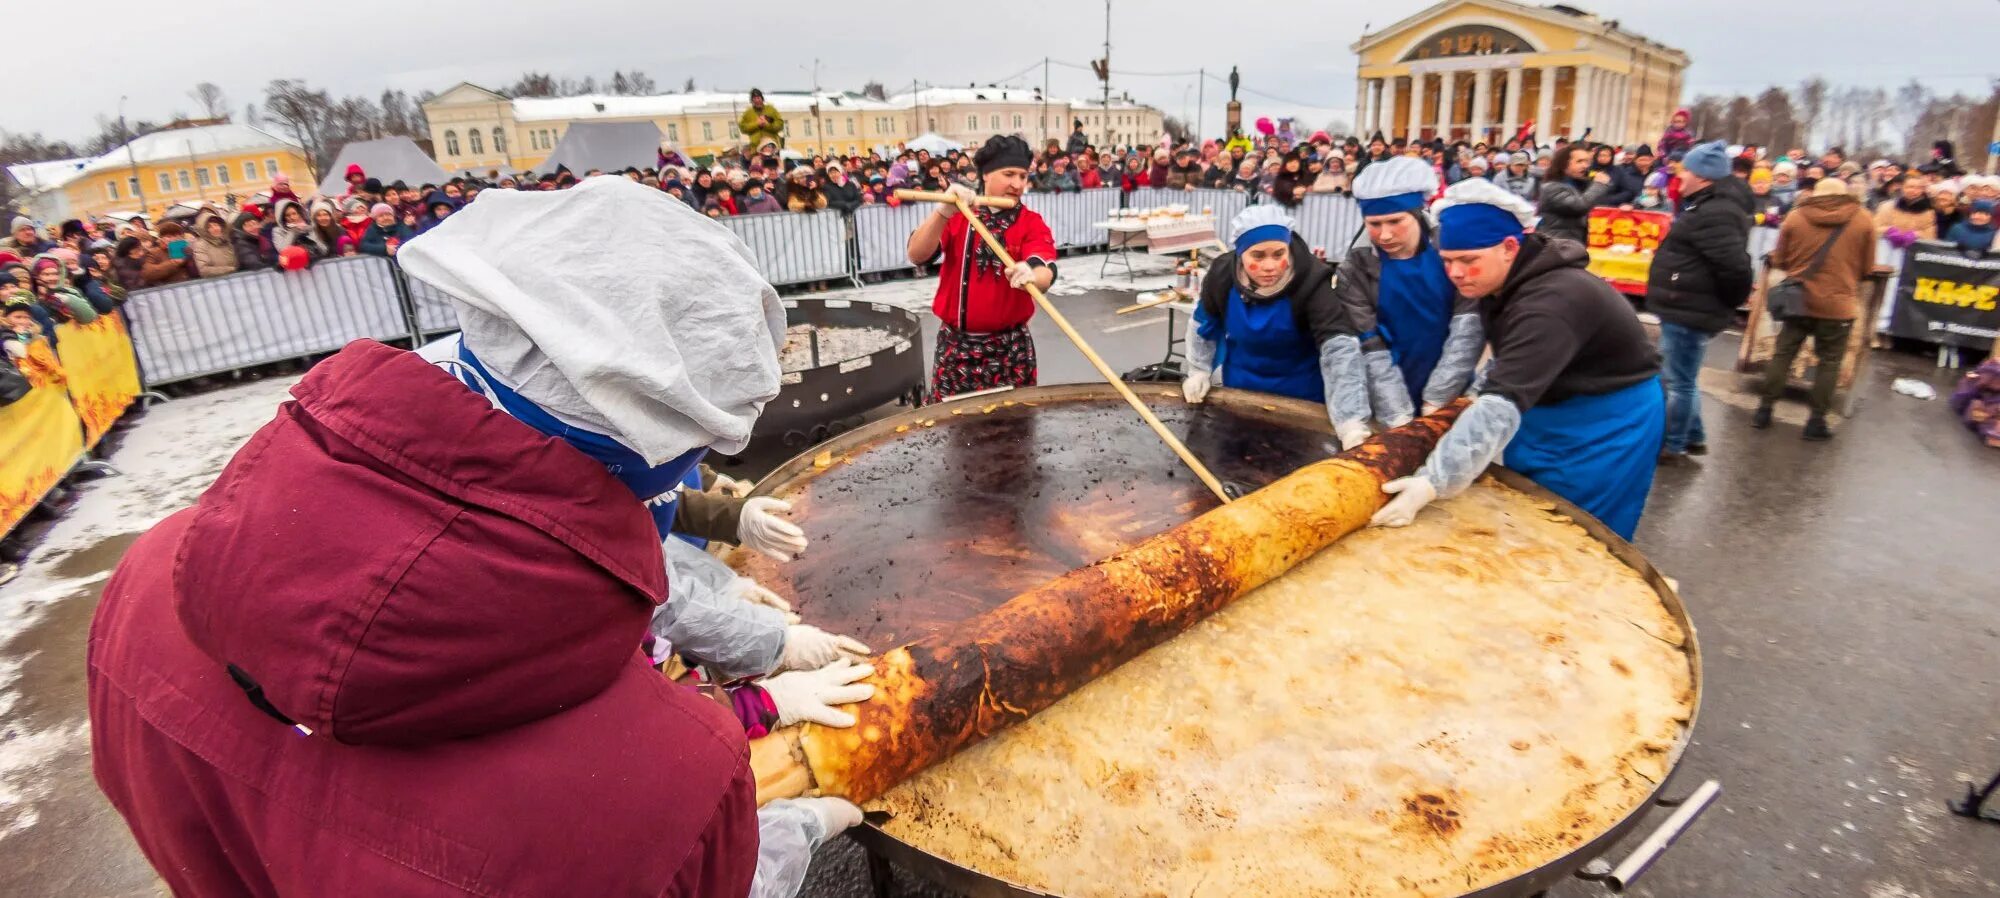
{"x": 1499, "y": 65}
{"x": 479, "y": 130}
{"x": 199, "y": 163}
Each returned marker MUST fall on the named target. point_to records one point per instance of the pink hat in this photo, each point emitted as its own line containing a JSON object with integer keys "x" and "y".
{"x": 380, "y": 208}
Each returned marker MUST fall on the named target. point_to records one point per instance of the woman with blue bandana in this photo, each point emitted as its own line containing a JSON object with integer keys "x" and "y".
{"x": 1572, "y": 398}
{"x": 1412, "y": 340}
{"x": 1267, "y": 311}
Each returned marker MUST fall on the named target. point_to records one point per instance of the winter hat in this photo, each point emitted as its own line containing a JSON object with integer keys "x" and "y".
{"x": 1642, "y": 150}
{"x": 354, "y": 168}
{"x": 22, "y": 221}
{"x": 1760, "y": 176}
{"x": 380, "y": 208}
{"x": 1518, "y": 158}
{"x": 1657, "y": 180}
{"x": 1708, "y": 161}
{"x": 1476, "y": 213}
{"x": 1396, "y": 185}
{"x": 1829, "y": 187}
{"x": 372, "y": 185}
{"x": 1785, "y": 168}
{"x": 1261, "y": 223}
{"x": 1985, "y": 206}
{"x": 1004, "y": 151}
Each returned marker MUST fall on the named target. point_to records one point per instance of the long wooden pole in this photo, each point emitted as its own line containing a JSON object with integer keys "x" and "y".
{"x": 1110, "y": 377}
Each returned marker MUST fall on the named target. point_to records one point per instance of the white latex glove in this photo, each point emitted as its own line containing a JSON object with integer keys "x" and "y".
{"x": 1412, "y": 494}
{"x": 747, "y": 590}
{"x": 731, "y": 487}
{"x": 949, "y": 206}
{"x": 1431, "y": 408}
{"x": 836, "y": 815}
{"x": 761, "y": 530}
{"x": 1020, "y": 275}
{"x": 810, "y": 648}
{"x": 803, "y": 695}
{"x": 1352, "y": 434}
{"x": 1196, "y": 385}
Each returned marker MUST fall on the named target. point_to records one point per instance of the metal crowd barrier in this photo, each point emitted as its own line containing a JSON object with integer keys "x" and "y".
{"x": 212, "y": 325}
{"x": 1071, "y": 215}
{"x": 430, "y": 308}
{"x": 882, "y": 236}
{"x": 1329, "y": 222}
{"x": 795, "y": 247}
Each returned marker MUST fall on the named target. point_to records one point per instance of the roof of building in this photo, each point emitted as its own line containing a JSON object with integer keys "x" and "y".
{"x": 39, "y": 176}
{"x": 183, "y": 143}
{"x": 1555, "y": 13}
{"x": 955, "y": 96}
{"x": 588, "y": 106}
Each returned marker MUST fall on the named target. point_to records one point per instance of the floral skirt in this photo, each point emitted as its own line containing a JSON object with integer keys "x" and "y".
{"x": 967, "y": 362}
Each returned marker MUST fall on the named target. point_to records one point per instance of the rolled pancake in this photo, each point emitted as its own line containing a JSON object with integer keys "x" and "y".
{"x": 1411, "y": 712}
{"x": 948, "y": 691}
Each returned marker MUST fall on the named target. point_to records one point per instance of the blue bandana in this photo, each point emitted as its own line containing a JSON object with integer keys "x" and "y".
{"x": 653, "y": 485}
{"x": 1393, "y": 203}
{"x": 1476, "y": 226}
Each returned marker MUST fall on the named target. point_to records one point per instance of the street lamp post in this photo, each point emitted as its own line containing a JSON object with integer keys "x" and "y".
{"x": 138, "y": 189}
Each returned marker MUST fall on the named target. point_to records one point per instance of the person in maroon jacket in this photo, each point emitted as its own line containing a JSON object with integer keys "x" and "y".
{"x": 982, "y": 307}
{"x": 394, "y": 649}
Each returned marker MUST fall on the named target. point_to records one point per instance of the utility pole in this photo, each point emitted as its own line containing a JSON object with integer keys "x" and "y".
{"x": 1200, "y": 105}
{"x": 124, "y": 134}
{"x": 1107, "y": 72}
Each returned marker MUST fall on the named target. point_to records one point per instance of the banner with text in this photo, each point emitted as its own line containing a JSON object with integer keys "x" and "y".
{"x": 1948, "y": 295}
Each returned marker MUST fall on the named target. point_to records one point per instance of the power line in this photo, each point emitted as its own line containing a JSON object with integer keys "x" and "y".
{"x": 1272, "y": 97}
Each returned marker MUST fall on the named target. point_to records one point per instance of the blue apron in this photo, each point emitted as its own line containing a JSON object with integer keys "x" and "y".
{"x": 1413, "y": 314}
{"x": 1596, "y": 451}
{"x": 1261, "y": 348}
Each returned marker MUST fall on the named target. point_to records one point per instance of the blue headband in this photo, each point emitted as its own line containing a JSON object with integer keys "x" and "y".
{"x": 1393, "y": 203}
{"x": 1261, "y": 234}
{"x": 1476, "y": 226}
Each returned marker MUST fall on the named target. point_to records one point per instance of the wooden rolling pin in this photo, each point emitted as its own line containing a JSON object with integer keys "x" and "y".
{"x": 946, "y": 692}
{"x": 939, "y": 196}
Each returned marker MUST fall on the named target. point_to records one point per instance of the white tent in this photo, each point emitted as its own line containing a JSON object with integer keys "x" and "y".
{"x": 611, "y": 146}
{"x": 388, "y": 160}
{"x": 929, "y": 140}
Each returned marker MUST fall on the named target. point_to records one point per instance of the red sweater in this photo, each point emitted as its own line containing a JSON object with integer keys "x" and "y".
{"x": 453, "y": 603}
{"x": 980, "y": 301}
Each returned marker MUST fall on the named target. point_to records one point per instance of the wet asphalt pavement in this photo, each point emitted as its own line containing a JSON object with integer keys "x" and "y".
{"x": 1842, "y": 592}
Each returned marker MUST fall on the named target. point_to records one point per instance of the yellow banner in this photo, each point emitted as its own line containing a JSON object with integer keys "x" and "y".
{"x": 40, "y": 437}
{"x": 103, "y": 374}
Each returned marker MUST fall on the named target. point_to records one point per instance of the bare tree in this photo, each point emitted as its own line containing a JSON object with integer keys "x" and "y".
{"x": 532, "y": 84}
{"x": 1176, "y": 128}
{"x": 209, "y": 97}
{"x": 620, "y": 85}
{"x": 304, "y": 112}
{"x": 642, "y": 83}
{"x": 1811, "y": 104}
{"x": 33, "y": 147}
{"x": 1705, "y": 115}
{"x": 1736, "y": 118}
{"x": 875, "y": 91}
{"x": 688, "y": 88}
{"x": 1777, "y": 124}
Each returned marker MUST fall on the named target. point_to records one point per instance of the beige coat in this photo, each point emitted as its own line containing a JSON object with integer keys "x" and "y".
{"x": 212, "y": 257}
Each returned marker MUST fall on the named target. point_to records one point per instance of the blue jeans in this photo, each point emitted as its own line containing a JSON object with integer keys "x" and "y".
{"x": 1681, "y": 351}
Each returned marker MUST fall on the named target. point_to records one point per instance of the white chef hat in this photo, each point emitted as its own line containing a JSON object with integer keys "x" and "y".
{"x": 1476, "y": 213}
{"x": 1260, "y": 223}
{"x": 667, "y": 348}
{"x": 1401, "y": 184}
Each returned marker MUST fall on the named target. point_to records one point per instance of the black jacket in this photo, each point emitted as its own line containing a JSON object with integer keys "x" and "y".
{"x": 1559, "y": 332}
{"x": 1077, "y": 143}
{"x": 1565, "y": 206}
{"x": 1314, "y": 309}
{"x": 842, "y": 197}
{"x": 1701, "y": 271}
{"x": 1626, "y": 185}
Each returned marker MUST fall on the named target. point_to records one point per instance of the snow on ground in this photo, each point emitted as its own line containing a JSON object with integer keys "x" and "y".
{"x": 1075, "y": 275}
{"x": 166, "y": 459}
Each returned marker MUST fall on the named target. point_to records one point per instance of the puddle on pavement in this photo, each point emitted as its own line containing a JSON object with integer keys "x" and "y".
{"x": 97, "y": 558}
{"x": 50, "y": 689}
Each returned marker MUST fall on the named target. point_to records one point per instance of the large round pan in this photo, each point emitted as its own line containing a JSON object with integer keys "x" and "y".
{"x": 1249, "y": 438}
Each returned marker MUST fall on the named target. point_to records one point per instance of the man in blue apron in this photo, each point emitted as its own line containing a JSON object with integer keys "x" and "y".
{"x": 1412, "y": 338}
{"x": 1266, "y": 310}
{"x": 1573, "y": 395}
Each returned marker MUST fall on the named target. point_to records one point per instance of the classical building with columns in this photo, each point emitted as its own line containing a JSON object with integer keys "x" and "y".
{"x": 1482, "y": 70}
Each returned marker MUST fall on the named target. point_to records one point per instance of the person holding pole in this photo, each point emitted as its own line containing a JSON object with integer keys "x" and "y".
{"x": 982, "y": 303}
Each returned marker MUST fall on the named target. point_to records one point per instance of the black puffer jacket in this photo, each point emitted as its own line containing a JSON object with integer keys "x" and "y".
{"x": 1702, "y": 271}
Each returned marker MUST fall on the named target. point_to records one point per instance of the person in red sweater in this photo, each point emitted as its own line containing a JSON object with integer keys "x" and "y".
{"x": 983, "y": 308}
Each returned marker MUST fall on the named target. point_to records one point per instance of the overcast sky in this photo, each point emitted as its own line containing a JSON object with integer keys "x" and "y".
{"x": 1294, "y": 53}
